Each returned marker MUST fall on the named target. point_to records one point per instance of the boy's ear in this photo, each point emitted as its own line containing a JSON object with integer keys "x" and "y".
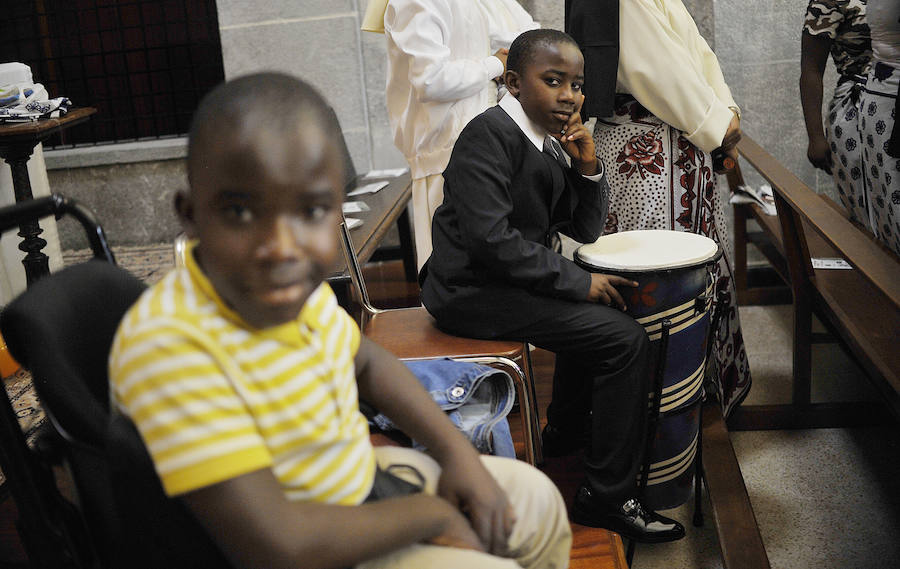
{"x": 513, "y": 82}
{"x": 184, "y": 207}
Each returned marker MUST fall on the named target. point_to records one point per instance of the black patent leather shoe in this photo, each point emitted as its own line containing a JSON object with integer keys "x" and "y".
{"x": 630, "y": 519}
{"x": 561, "y": 443}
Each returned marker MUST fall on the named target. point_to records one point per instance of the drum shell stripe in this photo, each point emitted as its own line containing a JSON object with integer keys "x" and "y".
{"x": 682, "y": 392}
{"x": 670, "y": 313}
{"x": 674, "y": 467}
{"x": 673, "y": 453}
{"x": 677, "y": 326}
{"x": 677, "y": 395}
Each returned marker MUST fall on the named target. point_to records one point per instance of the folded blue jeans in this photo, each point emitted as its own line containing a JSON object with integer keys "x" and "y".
{"x": 476, "y": 398}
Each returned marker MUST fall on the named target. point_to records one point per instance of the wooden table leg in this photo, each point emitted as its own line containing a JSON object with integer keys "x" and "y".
{"x": 35, "y": 261}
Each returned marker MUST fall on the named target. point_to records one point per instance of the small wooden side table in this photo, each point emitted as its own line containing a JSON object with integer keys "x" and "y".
{"x": 17, "y": 143}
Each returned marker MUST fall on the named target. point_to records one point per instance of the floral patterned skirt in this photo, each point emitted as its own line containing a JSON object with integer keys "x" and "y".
{"x": 659, "y": 180}
{"x": 881, "y": 171}
{"x": 842, "y": 134}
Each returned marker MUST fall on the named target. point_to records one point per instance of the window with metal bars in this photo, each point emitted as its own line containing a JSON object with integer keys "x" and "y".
{"x": 144, "y": 64}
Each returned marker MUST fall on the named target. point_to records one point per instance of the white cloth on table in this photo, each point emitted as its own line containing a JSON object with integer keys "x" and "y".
{"x": 29, "y": 101}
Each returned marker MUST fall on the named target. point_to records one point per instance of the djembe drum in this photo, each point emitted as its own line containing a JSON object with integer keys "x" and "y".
{"x": 673, "y": 302}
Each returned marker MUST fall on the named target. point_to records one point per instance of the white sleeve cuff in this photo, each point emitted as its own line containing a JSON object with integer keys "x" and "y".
{"x": 708, "y": 136}
{"x": 493, "y": 66}
{"x": 596, "y": 177}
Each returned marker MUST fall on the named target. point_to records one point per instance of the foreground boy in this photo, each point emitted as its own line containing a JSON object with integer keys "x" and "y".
{"x": 495, "y": 273}
{"x": 242, "y": 374}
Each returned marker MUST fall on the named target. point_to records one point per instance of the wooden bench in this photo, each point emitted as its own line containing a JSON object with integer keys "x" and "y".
{"x": 740, "y": 542}
{"x": 860, "y": 308}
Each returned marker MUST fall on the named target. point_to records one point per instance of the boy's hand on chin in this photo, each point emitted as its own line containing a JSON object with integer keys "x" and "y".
{"x": 578, "y": 143}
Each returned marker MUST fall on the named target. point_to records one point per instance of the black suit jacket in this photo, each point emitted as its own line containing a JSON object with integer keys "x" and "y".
{"x": 595, "y": 26}
{"x": 503, "y": 198}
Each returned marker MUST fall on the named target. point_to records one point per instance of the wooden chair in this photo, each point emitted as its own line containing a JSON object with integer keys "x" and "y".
{"x": 411, "y": 334}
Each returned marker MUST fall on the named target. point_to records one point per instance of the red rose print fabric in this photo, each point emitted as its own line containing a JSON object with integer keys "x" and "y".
{"x": 642, "y": 154}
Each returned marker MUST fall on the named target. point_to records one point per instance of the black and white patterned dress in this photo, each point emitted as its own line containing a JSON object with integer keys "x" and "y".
{"x": 844, "y": 22}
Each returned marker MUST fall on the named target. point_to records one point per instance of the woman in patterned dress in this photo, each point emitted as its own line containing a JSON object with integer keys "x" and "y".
{"x": 838, "y": 26}
{"x": 672, "y": 109}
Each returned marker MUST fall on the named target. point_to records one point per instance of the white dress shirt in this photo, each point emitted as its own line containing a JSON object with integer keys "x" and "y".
{"x": 533, "y": 132}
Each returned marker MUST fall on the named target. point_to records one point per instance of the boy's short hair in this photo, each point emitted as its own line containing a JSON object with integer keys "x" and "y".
{"x": 522, "y": 48}
{"x": 267, "y": 100}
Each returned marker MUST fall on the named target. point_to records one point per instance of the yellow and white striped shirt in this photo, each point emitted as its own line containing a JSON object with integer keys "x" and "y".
{"x": 214, "y": 398}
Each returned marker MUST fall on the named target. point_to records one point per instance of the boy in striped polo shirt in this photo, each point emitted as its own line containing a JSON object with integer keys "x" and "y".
{"x": 243, "y": 374}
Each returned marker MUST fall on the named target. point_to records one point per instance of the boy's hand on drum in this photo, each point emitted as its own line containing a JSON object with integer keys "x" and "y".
{"x": 578, "y": 143}
{"x": 603, "y": 289}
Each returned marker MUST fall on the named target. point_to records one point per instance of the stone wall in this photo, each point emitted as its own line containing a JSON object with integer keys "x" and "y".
{"x": 759, "y": 51}
{"x": 132, "y": 201}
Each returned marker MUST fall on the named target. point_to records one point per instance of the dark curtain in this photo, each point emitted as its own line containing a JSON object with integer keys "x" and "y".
{"x": 144, "y": 64}
{"x": 595, "y": 26}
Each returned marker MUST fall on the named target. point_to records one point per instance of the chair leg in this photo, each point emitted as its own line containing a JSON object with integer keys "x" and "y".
{"x": 538, "y": 448}
{"x": 802, "y": 361}
{"x": 526, "y": 408}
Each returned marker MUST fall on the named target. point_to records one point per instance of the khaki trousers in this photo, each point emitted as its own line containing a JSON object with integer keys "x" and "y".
{"x": 541, "y": 537}
{"x": 427, "y": 195}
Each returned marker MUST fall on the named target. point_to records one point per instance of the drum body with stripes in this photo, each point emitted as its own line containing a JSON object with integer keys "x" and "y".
{"x": 673, "y": 272}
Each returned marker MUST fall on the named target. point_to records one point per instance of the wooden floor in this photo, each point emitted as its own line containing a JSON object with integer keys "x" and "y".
{"x": 592, "y": 548}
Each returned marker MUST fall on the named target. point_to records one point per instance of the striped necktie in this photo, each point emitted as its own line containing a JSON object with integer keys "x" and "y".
{"x": 552, "y": 147}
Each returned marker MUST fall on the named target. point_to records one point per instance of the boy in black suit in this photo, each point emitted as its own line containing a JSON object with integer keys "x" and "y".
{"x": 495, "y": 273}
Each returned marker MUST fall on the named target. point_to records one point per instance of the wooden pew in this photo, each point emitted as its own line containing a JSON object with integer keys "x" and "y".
{"x": 767, "y": 240}
{"x": 858, "y": 307}
{"x": 739, "y": 539}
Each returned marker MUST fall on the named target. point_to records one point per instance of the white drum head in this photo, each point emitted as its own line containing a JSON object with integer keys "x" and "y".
{"x": 647, "y": 250}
